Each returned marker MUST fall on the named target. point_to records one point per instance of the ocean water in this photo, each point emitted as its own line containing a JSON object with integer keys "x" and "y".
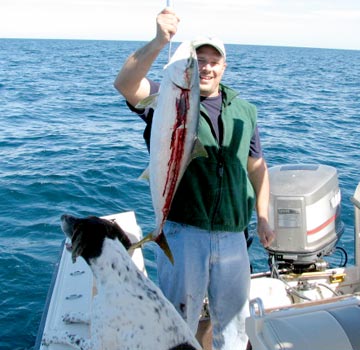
{"x": 68, "y": 144}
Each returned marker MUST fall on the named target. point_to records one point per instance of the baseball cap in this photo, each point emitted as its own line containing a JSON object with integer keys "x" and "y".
{"x": 212, "y": 41}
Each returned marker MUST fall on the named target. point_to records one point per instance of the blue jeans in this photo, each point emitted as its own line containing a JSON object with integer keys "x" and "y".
{"x": 212, "y": 263}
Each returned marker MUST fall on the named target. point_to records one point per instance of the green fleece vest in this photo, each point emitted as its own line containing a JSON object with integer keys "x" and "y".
{"x": 215, "y": 192}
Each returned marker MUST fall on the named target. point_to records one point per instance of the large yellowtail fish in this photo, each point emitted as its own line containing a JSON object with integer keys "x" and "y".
{"x": 173, "y": 142}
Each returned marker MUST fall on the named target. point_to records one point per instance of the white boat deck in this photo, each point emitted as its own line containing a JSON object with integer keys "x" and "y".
{"x": 74, "y": 286}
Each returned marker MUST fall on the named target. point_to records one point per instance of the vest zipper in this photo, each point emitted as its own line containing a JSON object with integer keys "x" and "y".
{"x": 219, "y": 173}
{"x": 220, "y": 163}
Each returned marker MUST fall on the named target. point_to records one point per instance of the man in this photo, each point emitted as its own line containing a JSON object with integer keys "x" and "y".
{"x": 216, "y": 196}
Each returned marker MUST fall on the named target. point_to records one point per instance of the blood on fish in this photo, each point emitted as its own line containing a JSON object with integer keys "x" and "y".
{"x": 177, "y": 148}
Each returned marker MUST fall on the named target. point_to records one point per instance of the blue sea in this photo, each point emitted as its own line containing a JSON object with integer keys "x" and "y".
{"x": 68, "y": 144}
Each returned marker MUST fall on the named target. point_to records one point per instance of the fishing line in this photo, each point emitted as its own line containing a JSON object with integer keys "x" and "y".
{"x": 169, "y": 3}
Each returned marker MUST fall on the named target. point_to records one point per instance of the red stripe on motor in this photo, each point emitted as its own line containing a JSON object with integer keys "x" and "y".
{"x": 319, "y": 228}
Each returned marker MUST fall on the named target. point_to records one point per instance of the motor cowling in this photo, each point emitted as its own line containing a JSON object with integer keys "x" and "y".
{"x": 304, "y": 212}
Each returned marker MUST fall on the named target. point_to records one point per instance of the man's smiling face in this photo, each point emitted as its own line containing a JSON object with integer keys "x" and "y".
{"x": 211, "y": 69}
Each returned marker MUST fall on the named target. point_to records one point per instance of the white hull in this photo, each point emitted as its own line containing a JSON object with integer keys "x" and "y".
{"x": 284, "y": 310}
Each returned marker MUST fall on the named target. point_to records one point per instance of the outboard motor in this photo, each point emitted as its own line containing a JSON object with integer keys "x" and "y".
{"x": 305, "y": 215}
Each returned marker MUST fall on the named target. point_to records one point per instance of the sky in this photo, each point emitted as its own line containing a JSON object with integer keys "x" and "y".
{"x": 306, "y": 23}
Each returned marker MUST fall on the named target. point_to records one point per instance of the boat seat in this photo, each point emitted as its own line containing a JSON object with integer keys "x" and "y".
{"x": 328, "y": 326}
{"x": 349, "y": 319}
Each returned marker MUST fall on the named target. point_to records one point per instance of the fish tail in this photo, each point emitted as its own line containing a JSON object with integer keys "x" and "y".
{"x": 162, "y": 242}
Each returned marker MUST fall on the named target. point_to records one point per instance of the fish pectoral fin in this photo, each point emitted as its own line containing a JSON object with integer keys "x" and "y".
{"x": 198, "y": 150}
{"x": 162, "y": 242}
{"x": 145, "y": 174}
{"x": 150, "y": 101}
